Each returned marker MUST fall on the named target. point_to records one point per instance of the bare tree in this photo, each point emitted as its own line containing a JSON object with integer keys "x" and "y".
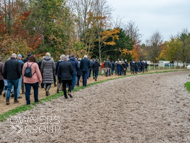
{"x": 133, "y": 31}
{"x": 154, "y": 46}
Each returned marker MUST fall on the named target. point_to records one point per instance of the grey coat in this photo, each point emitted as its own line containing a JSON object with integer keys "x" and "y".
{"x": 48, "y": 69}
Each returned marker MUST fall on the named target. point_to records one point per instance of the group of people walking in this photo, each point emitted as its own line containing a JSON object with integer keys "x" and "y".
{"x": 68, "y": 72}
{"x": 120, "y": 67}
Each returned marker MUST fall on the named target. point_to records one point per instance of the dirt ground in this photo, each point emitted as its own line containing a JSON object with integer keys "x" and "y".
{"x": 151, "y": 108}
{"x": 53, "y": 90}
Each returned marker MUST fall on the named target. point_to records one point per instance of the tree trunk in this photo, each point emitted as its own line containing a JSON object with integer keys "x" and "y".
{"x": 99, "y": 48}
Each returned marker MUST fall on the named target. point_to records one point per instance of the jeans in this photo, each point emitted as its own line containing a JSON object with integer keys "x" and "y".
{"x": 15, "y": 84}
{"x": 74, "y": 81}
{"x": 96, "y": 74}
{"x": 64, "y": 83}
{"x": 28, "y": 89}
{"x": 85, "y": 77}
{"x": 19, "y": 86}
{"x": 78, "y": 79}
{"x": 112, "y": 71}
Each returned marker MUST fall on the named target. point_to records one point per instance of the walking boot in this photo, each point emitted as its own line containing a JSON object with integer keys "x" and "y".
{"x": 16, "y": 101}
{"x": 69, "y": 93}
{"x": 7, "y": 102}
{"x": 47, "y": 90}
{"x": 66, "y": 96}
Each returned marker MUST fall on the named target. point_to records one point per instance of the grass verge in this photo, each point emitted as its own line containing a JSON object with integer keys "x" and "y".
{"x": 187, "y": 85}
{"x": 23, "y": 108}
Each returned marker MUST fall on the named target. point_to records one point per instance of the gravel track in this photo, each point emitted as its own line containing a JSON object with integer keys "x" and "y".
{"x": 149, "y": 109}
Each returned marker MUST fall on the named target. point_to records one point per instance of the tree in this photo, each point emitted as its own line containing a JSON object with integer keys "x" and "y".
{"x": 154, "y": 46}
{"x": 185, "y": 47}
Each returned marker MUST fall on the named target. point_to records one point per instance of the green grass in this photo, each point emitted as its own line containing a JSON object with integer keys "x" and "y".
{"x": 187, "y": 85}
{"x": 23, "y": 108}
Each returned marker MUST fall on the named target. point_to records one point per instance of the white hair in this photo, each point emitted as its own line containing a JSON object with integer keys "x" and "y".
{"x": 48, "y": 54}
{"x": 13, "y": 55}
{"x": 85, "y": 56}
{"x": 62, "y": 56}
{"x": 65, "y": 57}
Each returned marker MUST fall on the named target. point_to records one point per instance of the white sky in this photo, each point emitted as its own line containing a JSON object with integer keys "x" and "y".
{"x": 169, "y": 17}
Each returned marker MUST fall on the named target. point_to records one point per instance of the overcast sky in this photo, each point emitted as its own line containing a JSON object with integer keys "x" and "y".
{"x": 169, "y": 17}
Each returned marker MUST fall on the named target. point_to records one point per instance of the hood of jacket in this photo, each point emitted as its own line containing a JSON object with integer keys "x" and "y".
{"x": 72, "y": 59}
{"x": 47, "y": 58}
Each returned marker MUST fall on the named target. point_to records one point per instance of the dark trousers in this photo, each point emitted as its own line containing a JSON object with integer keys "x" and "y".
{"x": 124, "y": 72}
{"x": 64, "y": 83}
{"x": 84, "y": 77}
{"x": 78, "y": 79}
{"x": 28, "y": 89}
{"x": 1, "y": 86}
{"x": 90, "y": 70}
{"x": 47, "y": 84}
{"x": 96, "y": 74}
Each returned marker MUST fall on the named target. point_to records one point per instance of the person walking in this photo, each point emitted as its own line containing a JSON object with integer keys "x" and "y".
{"x": 95, "y": 68}
{"x": 48, "y": 72}
{"x": 132, "y": 65}
{"x": 58, "y": 75}
{"x": 146, "y": 66}
{"x": 79, "y": 72}
{"x": 12, "y": 72}
{"x": 1, "y": 77}
{"x": 19, "y": 58}
{"x": 85, "y": 65}
{"x": 112, "y": 67}
{"x": 107, "y": 67}
{"x": 39, "y": 64}
{"x": 126, "y": 63}
{"x": 65, "y": 69}
{"x": 119, "y": 68}
{"x": 32, "y": 81}
{"x": 124, "y": 68}
{"x": 74, "y": 63}
{"x": 26, "y": 60}
{"x": 136, "y": 67}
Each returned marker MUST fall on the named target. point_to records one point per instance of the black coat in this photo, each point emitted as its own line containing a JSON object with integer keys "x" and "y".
{"x": 85, "y": 64}
{"x": 79, "y": 71}
{"x": 26, "y": 60}
{"x": 127, "y": 64}
{"x": 65, "y": 70}
{"x": 12, "y": 69}
{"x": 96, "y": 66}
{"x": 124, "y": 66}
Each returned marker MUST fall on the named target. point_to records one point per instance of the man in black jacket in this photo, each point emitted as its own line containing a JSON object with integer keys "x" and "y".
{"x": 12, "y": 73}
{"x": 95, "y": 67}
{"x": 85, "y": 66}
{"x": 66, "y": 71}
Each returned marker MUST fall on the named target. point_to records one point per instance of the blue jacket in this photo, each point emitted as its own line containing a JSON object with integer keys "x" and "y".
{"x": 75, "y": 65}
{"x": 119, "y": 67}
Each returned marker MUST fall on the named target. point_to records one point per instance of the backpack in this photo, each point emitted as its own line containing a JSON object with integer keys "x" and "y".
{"x": 28, "y": 71}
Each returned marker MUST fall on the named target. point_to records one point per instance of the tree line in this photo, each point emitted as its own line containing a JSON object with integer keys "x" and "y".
{"x": 78, "y": 27}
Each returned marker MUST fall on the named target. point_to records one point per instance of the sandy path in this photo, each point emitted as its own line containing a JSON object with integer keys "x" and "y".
{"x": 149, "y": 108}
